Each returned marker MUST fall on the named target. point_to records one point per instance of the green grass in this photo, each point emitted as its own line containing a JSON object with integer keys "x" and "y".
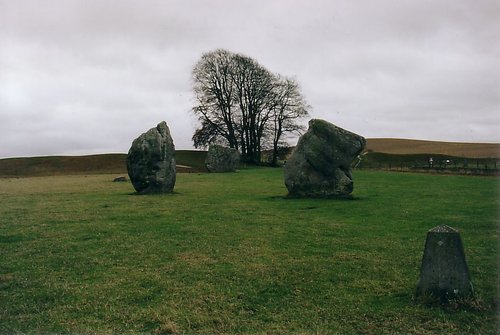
{"x": 228, "y": 253}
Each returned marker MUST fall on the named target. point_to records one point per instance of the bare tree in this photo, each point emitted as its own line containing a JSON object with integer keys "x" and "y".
{"x": 289, "y": 107}
{"x": 253, "y": 86}
{"x": 213, "y": 88}
{"x": 241, "y": 102}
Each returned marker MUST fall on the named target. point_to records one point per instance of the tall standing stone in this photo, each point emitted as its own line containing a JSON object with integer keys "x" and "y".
{"x": 320, "y": 165}
{"x": 444, "y": 273}
{"x": 151, "y": 161}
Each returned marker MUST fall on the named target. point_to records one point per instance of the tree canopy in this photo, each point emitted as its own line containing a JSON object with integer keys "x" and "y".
{"x": 241, "y": 104}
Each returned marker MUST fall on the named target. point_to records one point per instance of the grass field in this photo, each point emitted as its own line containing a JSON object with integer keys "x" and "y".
{"x": 229, "y": 254}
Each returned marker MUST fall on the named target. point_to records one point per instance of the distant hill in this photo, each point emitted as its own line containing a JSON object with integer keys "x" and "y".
{"x": 409, "y": 147}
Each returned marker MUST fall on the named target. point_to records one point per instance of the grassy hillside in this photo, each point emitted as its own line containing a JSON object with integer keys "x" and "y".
{"x": 192, "y": 158}
{"x": 229, "y": 254}
{"x": 409, "y": 147}
{"x": 188, "y": 161}
{"x": 62, "y": 165}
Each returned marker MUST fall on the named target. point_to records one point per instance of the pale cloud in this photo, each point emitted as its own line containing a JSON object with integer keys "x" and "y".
{"x": 80, "y": 77}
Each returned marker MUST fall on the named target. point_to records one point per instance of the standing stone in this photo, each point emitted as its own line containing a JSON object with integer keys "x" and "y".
{"x": 444, "y": 273}
{"x": 151, "y": 161}
{"x": 222, "y": 159}
{"x": 320, "y": 165}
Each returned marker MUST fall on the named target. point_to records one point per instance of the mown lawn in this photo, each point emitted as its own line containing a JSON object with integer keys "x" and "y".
{"x": 228, "y": 253}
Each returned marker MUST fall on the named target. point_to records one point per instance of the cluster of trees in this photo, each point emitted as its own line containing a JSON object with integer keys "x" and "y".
{"x": 241, "y": 104}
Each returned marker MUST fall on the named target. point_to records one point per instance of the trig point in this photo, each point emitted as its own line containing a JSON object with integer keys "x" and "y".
{"x": 444, "y": 272}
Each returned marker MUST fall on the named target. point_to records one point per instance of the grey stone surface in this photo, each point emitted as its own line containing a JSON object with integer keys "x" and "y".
{"x": 222, "y": 159}
{"x": 151, "y": 161}
{"x": 444, "y": 273}
{"x": 320, "y": 165}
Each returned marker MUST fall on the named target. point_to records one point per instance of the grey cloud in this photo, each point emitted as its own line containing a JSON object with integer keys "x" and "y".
{"x": 85, "y": 77}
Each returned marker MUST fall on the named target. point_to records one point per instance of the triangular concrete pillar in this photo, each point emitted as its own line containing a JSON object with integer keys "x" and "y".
{"x": 444, "y": 272}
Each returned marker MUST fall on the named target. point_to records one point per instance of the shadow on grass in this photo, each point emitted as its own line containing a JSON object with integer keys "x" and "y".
{"x": 154, "y": 194}
{"x": 333, "y": 198}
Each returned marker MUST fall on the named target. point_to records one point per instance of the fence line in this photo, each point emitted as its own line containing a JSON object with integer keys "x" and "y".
{"x": 465, "y": 166}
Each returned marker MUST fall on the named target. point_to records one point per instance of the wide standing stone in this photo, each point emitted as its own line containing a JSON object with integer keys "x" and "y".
{"x": 151, "y": 161}
{"x": 444, "y": 272}
{"x": 222, "y": 159}
{"x": 320, "y": 165}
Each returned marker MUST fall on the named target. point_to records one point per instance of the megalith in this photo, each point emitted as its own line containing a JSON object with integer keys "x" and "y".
{"x": 444, "y": 273}
{"x": 151, "y": 161}
{"x": 320, "y": 165}
{"x": 222, "y": 159}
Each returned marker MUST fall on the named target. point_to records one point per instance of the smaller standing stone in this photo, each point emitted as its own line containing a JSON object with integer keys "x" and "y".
{"x": 444, "y": 273}
{"x": 222, "y": 159}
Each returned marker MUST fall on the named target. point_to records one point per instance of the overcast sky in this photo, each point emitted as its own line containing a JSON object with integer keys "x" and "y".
{"x": 89, "y": 76}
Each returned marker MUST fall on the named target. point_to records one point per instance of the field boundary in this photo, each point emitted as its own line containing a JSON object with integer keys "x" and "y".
{"x": 429, "y": 163}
